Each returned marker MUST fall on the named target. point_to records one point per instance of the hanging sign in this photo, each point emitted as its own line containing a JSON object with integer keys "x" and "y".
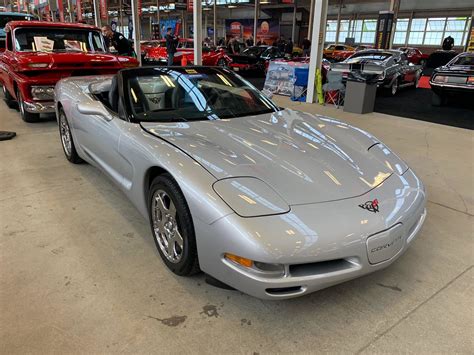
{"x": 384, "y": 29}
{"x": 61, "y": 10}
{"x": 78, "y": 10}
{"x": 103, "y": 9}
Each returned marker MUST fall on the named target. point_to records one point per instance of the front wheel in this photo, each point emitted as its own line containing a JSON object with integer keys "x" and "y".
{"x": 438, "y": 99}
{"x": 9, "y": 100}
{"x": 172, "y": 226}
{"x": 66, "y": 139}
{"x": 25, "y": 115}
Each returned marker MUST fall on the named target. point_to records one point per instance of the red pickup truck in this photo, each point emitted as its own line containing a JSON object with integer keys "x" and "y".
{"x": 39, "y": 54}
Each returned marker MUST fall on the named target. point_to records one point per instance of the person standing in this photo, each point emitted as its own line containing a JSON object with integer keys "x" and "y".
{"x": 117, "y": 40}
{"x": 306, "y": 46}
{"x": 289, "y": 48}
{"x": 171, "y": 45}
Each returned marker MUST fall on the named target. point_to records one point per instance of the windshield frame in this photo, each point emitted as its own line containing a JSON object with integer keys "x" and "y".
{"x": 88, "y": 31}
{"x": 127, "y": 74}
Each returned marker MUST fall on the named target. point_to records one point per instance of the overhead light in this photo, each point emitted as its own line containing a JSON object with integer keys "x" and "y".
{"x": 206, "y": 9}
{"x": 265, "y": 2}
{"x": 231, "y": 6}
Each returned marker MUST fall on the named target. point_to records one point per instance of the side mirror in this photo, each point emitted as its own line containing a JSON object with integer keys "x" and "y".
{"x": 94, "y": 109}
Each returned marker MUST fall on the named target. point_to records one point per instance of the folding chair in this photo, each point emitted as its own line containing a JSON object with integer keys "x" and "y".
{"x": 301, "y": 83}
{"x": 334, "y": 90}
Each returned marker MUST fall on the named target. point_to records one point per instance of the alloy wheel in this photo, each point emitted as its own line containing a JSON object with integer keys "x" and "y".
{"x": 166, "y": 227}
{"x": 65, "y": 134}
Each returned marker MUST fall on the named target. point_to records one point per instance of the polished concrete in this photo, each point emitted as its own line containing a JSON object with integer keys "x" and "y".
{"x": 79, "y": 272}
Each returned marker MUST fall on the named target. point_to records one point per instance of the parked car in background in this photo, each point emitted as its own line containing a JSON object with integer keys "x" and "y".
{"x": 414, "y": 55}
{"x": 211, "y": 57}
{"x": 339, "y": 56}
{"x": 6, "y": 17}
{"x": 256, "y": 58}
{"x": 38, "y": 54}
{"x": 454, "y": 78}
{"x": 392, "y": 68}
{"x": 333, "y": 50}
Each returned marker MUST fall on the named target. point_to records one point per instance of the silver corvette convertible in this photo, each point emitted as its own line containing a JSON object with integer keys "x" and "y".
{"x": 273, "y": 202}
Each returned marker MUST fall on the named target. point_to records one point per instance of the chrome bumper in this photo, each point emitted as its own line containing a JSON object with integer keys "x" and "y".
{"x": 39, "y": 107}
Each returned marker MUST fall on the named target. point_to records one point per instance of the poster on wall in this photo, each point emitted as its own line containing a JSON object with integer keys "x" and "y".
{"x": 268, "y": 30}
{"x": 174, "y": 23}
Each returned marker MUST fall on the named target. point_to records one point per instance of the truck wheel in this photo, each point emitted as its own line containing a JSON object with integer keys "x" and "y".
{"x": 438, "y": 99}
{"x": 25, "y": 115}
{"x": 9, "y": 100}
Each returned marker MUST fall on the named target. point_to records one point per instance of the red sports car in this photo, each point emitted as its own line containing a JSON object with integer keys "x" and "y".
{"x": 414, "y": 55}
{"x": 186, "y": 48}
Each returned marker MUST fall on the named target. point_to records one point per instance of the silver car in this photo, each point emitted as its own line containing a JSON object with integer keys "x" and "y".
{"x": 273, "y": 202}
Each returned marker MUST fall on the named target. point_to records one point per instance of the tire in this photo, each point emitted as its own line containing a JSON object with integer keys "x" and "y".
{"x": 9, "y": 100}
{"x": 437, "y": 99}
{"x": 25, "y": 115}
{"x": 67, "y": 141}
{"x": 394, "y": 87}
{"x": 172, "y": 225}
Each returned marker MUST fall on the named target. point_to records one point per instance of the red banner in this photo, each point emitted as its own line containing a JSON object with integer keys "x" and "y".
{"x": 190, "y": 5}
{"x": 61, "y": 10}
{"x": 47, "y": 13}
{"x": 103, "y": 9}
{"x": 139, "y": 8}
{"x": 78, "y": 10}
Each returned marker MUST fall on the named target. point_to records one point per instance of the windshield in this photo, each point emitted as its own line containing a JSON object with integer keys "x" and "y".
{"x": 58, "y": 40}
{"x": 253, "y": 51}
{"x": 185, "y": 94}
{"x": 4, "y": 19}
{"x": 464, "y": 60}
{"x": 370, "y": 56}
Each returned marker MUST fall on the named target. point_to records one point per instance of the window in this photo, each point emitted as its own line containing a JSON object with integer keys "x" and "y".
{"x": 368, "y": 31}
{"x": 456, "y": 27}
{"x": 434, "y": 31}
{"x": 401, "y": 30}
{"x": 331, "y": 29}
{"x": 417, "y": 31}
{"x": 343, "y": 31}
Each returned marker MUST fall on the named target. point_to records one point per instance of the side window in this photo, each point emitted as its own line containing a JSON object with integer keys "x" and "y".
{"x": 339, "y": 48}
{"x": 9, "y": 41}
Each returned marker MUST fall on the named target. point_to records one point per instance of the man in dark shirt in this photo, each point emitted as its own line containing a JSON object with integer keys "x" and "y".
{"x": 171, "y": 45}
{"x": 118, "y": 41}
{"x": 306, "y": 45}
{"x": 289, "y": 48}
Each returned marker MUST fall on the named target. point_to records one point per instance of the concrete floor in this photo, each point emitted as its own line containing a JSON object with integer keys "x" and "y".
{"x": 79, "y": 272}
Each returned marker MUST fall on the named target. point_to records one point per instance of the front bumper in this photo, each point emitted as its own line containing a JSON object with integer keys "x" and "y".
{"x": 242, "y": 67}
{"x": 39, "y": 107}
{"x": 451, "y": 88}
{"x": 319, "y": 245}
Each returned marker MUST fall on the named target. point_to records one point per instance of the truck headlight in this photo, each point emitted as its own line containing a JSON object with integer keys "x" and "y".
{"x": 42, "y": 93}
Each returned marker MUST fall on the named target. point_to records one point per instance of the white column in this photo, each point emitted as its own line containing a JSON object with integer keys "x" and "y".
{"x": 136, "y": 30}
{"x": 317, "y": 44}
{"x": 293, "y": 25}
{"x": 311, "y": 16}
{"x": 338, "y": 24}
{"x": 97, "y": 13}
{"x": 214, "y": 21}
{"x": 197, "y": 26}
{"x": 158, "y": 18}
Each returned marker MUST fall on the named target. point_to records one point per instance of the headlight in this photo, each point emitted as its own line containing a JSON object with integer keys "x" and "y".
{"x": 42, "y": 93}
{"x": 38, "y": 65}
{"x": 250, "y": 197}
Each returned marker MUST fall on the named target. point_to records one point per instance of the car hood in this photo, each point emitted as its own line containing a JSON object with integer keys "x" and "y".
{"x": 457, "y": 69}
{"x": 70, "y": 59}
{"x": 306, "y": 158}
